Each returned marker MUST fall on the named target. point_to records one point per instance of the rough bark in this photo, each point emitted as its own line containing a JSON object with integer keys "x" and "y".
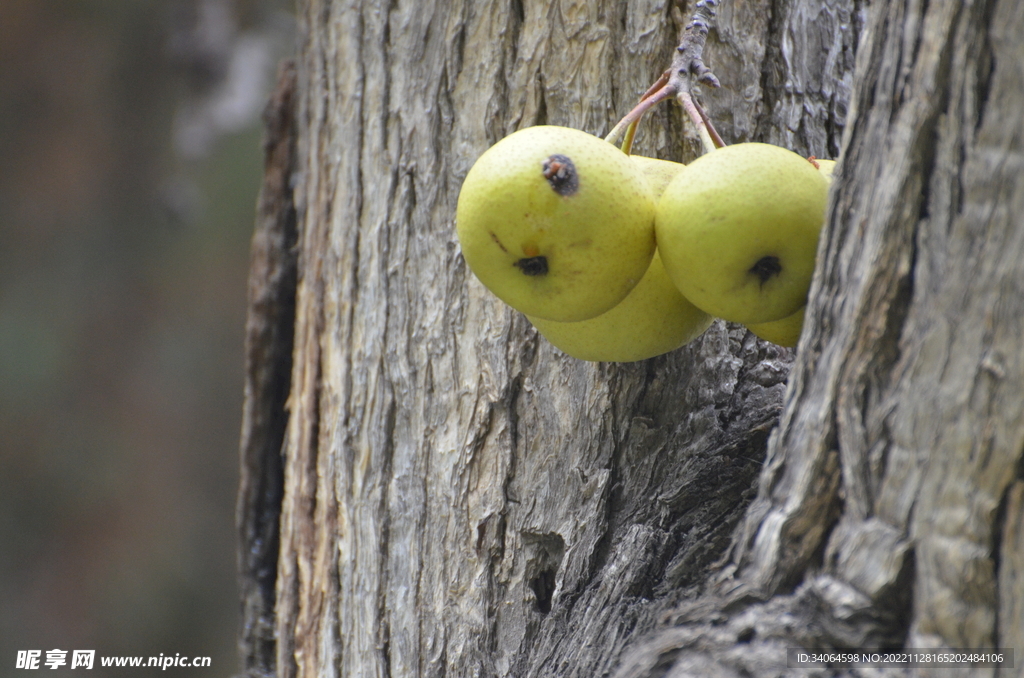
{"x": 889, "y": 510}
{"x": 268, "y": 350}
{"x": 461, "y": 499}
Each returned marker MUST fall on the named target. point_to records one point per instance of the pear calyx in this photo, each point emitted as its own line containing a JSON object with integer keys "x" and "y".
{"x": 766, "y": 268}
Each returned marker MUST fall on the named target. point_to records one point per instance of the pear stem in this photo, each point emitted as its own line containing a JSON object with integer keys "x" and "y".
{"x": 646, "y": 102}
{"x": 719, "y": 142}
{"x": 687, "y": 63}
{"x": 707, "y": 140}
{"x": 627, "y": 142}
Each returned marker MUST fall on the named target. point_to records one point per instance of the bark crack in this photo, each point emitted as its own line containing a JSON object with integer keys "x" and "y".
{"x": 384, "y": 540}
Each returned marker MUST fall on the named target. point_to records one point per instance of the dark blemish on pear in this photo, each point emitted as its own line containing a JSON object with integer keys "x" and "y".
{"x": 766, "y": 268}
{"x": 533, "y": 265}
{"x": 495, "y": 239}
{"x": 561, "y": 175}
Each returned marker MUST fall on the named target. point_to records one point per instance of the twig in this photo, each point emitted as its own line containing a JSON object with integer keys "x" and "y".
{"x": 689, "y": 54}
{"x": 687, "y": 63}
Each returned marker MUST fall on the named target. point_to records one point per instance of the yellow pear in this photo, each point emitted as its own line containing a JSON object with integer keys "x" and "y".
{"x": 557, "y": 223}
{"x": 785, "y": 332}
{"x": 654, "y": 318}
{"x": 826, "y": 168}
{"x": 659, "y": 173}
{"x": 738, "y": 231}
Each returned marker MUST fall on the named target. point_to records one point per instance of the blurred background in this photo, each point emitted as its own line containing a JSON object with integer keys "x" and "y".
{"x": 130, "y": 161}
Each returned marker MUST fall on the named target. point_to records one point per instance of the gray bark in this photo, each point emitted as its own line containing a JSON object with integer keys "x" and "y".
{"x": 268, "y": 346}
{"x": 462, "y": 499}
{"x": 889, "y": 511}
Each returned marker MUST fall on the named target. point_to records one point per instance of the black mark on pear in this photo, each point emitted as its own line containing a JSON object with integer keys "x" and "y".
{"x": 533, "y": 265}
{"x": 561, "y": 174}
{"x": 766, "y": 268}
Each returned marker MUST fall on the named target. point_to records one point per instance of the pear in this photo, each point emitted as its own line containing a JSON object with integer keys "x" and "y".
{"x": 654, "y": 318}
{"x": 785, "y": 332}
{"x": 827, "y": 168}
{"x": 738, "y": 231}
{"x": 557, "y": 223}
{"x": 659, "y": 173}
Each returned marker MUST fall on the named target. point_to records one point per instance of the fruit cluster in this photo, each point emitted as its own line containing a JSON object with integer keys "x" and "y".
{"x": 619, "y": 258}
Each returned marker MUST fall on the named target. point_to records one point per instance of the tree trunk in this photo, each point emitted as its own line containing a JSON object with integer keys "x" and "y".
{"x": 459, "y": 498}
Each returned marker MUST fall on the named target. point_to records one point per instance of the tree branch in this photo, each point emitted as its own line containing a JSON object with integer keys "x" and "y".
{"x": 689, "y": 59}
{"x": 687, "y": 63}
